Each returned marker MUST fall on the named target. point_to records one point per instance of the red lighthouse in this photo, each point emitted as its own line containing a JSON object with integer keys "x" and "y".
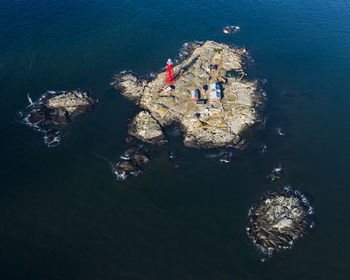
{"x": 169, "y": 75}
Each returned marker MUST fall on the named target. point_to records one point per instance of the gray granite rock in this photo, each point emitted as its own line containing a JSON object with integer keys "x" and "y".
{"x": 279, "y": 219}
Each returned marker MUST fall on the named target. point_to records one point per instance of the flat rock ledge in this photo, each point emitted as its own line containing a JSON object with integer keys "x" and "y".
{"x": 55, "y": 109}
{"x": 204, "y": 123}
{"x": 146, "y": 128}
{"x": 279, "y": 219}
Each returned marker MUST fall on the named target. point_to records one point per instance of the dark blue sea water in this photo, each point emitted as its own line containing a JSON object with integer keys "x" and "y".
{"x": 63, "y": 215}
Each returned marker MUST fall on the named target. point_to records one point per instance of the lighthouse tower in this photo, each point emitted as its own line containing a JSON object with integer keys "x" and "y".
{"x": 169, "y": 75}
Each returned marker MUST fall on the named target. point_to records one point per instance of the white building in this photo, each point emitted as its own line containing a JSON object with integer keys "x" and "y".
{"x": 215, "y": 92}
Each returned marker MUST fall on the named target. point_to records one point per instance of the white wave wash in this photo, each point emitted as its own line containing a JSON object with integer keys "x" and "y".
{"x": 29, "y": 100}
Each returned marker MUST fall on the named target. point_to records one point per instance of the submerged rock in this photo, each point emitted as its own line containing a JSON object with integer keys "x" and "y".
{"x": 56, "y": 109}
{"x": 280, "y": 131}
{"x": 146, "y": 128}
{"x": 231, "y": 29}
{"x": 172, "y": 155}
{"x": 52, "y": 137}
{"x": 296, "y": 94}
{"x": 230, "y": 104}
{"x": 279, "y": 219}
{"x": 132, "y": 162}
{"x": 275, "y": 174}
{"x": 129, "y": 139}
{"x": 226, "y": 157}
{"x": 263, "y": 148}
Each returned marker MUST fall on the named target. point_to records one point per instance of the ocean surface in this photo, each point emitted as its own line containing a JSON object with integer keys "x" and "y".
{"x": 64, "y": 215}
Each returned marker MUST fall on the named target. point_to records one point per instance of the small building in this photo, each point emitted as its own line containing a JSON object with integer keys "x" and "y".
{"x": 215, "y": 92}
{"x": 201, "y": 102}
{"x": 195, "y": 94}
{"x": 196, "y": 116}
{"x": 168, "y": 90}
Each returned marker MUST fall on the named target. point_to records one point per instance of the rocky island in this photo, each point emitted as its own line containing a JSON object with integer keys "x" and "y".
{"x": 55, "y": 109}
{"x": 279, "y": 219}
{"x": 211, "y": 99}
{"x": 132, "y": 162}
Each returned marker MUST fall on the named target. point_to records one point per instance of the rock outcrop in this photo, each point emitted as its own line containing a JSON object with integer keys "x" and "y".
{"x": 146, "y": 128}
{"x": 279, "y": 219}
{"x": 56, "y": 109}
{"x": 231, "y": 29}
{"x": 132, "y": 162}
{"x": 204, "y": 123}
{"x": 275, "y": 174}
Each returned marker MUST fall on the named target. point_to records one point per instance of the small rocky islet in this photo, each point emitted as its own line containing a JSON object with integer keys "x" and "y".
{"x": 231, "y": 29}
{"x": 132, "y": 162}
{"x": 55, "y": 109}
{"x": 279, "y": 219}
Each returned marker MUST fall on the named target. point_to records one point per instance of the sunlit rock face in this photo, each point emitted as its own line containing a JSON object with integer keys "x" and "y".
{"x": 279, "y": 219}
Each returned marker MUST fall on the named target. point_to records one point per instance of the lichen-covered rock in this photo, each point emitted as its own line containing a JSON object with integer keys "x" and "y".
{"x": 146, "y": 128}
{"x": 130, "y": 86}
{"x": 206, "y": 123}
{"x": 280, "y": 217}
{"x": 73, "y": 102}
